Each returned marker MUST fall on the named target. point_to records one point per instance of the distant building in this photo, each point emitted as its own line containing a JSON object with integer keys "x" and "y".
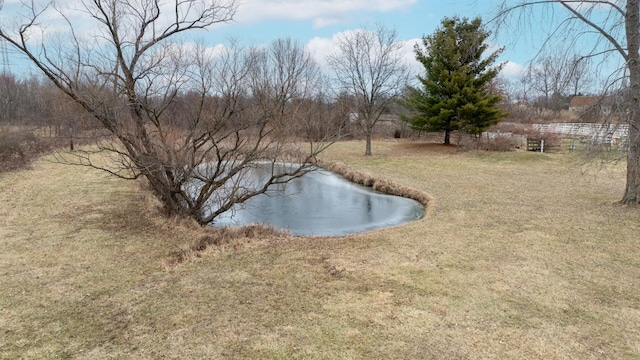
{"x": 592, "y": 105}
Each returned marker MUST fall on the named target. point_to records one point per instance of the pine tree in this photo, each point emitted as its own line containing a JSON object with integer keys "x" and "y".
{"x": 454, "y": 93}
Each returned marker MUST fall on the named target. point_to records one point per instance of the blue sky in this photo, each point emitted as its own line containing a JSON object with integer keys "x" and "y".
{"x": 412, "y": 18}
{"x": 315, "y": 23}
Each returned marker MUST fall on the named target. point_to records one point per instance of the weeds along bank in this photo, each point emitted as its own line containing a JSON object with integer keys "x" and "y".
{"x": 21, "y": 145}
{"x": 524, "y": 256}
{"x": 18, "y": 148}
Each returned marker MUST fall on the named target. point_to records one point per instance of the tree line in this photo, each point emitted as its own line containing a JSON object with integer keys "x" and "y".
{"x": 193, "y": 121}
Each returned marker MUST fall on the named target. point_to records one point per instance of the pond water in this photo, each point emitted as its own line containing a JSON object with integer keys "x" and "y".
{"x": 323, "y": 204}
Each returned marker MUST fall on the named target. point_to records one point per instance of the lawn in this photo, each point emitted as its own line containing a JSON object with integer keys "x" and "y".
{"x": 522, "y": 255}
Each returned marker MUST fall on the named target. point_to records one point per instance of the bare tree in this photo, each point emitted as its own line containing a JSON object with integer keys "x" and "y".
{"x": 557, "y": 77}
{"x": 606, "y": 27}
{"x": 368, "y": 65}
{"x": 11, "y": 93}
{"x": 548, "y": 79}
{"x": 190, "y": 120}
{"x": 579, "y": 76}
{"x": 25, "y": 102}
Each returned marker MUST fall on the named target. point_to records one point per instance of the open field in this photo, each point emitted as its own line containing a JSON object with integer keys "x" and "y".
{"x": 523, "y": 255}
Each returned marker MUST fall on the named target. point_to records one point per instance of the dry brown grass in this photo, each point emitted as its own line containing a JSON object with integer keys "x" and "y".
{"x": 222, "y": 239}
{"x": 524, "y": 255}
{"x": 377, "y": 183}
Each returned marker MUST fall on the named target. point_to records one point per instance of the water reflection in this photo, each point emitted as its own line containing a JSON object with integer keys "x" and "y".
{"x": 322, "y": 203}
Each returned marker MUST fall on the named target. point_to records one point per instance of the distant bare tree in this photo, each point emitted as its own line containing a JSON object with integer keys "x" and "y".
{"x": 548, "y": 79}
{"x": 557, "y": 77}
{"x": 579, "y": 79}
{"x": 368, "y": 65}
{"x": 24, "y": 101}
{"x": 189, "y": 119}
{"x": 607, "y": 27}
{"x": 11, "y": 93}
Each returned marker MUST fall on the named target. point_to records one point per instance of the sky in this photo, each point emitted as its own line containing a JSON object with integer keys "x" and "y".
{"x": 316, "y": 23}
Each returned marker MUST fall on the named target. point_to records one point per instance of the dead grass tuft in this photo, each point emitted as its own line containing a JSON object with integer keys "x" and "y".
{"x": 333, "y": 269}
{"x": 222, "y": 238}
{"x": 377, "y": 183}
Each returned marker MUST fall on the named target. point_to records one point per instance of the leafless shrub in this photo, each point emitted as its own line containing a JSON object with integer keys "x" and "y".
{"x": 552, "y": 141}
{"x": 509, "y": 127}
{"x": 19, "y": 148}
{"x": 495, "y": 142}
{"x": 501, "y": 143}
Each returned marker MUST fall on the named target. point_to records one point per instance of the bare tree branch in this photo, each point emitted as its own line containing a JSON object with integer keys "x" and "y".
{"x": 592, "y": 14}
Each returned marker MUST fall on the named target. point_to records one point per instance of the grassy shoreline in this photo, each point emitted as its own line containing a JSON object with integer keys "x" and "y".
{"x": 522, "y": 256}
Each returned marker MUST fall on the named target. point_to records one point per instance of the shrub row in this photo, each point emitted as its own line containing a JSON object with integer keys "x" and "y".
{"x": 19, "y": 148}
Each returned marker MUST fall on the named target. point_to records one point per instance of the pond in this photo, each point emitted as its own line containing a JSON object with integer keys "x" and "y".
{"x": 321, "y": 203}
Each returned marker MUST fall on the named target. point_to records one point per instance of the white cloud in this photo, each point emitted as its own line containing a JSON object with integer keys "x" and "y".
{"x": 321, "y": 22}
{"x": 512, "y": 70}
{"x": 320, "y": 47}
{"x": 57, "y": 16}
{"x": 409, "y": 56}
{"x": 321, "y": 12}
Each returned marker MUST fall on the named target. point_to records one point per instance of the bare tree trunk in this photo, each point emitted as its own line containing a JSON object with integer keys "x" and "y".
{"x": 591, "y": 15}
{"x": 632, "y": 191}
{"x": 367, "y": 150}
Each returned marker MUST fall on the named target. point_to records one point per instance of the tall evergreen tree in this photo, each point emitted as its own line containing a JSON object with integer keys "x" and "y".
{"x": 454, "y": 92}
